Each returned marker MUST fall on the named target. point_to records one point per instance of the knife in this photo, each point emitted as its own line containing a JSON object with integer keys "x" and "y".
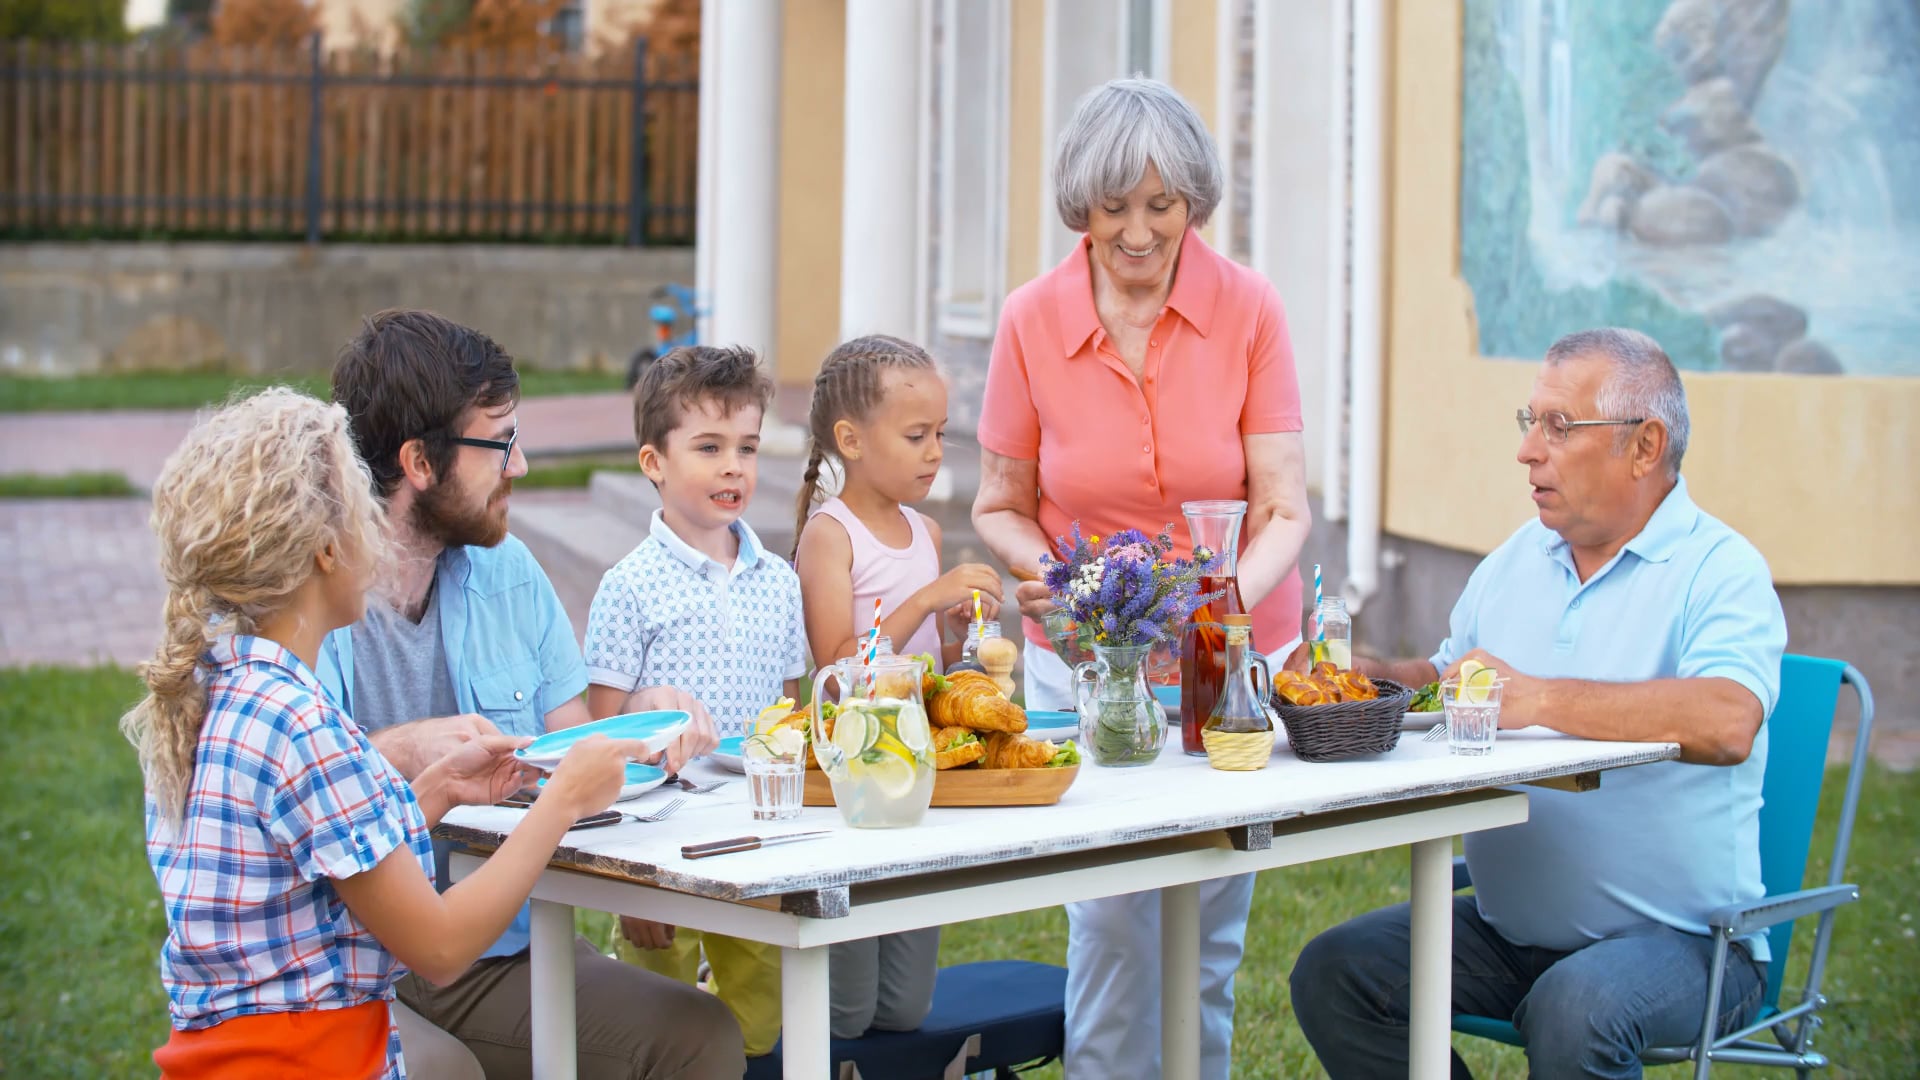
{"x": 746, "y": 843}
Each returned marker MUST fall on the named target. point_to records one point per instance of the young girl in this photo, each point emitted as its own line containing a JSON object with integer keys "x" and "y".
{"x": 294, "y": 862}
{"x": 880, "y": 411}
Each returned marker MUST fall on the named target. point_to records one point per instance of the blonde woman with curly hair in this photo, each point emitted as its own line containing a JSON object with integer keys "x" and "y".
{"x": 293, "y": 860}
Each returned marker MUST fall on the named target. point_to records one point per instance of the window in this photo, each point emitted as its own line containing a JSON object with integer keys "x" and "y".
{"x": 973, "y": 141}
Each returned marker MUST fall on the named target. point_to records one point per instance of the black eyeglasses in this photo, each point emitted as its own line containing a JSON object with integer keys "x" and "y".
{"x": 505, "y": 448}
{"x": 1557, "y": 427}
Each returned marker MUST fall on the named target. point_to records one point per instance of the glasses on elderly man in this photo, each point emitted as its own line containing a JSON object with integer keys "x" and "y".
{"x": 505, "y": 448}
{"x": 1557, "y": 427}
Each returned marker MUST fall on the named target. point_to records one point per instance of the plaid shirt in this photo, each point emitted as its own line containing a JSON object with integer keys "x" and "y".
{"x": 287, "y": 794}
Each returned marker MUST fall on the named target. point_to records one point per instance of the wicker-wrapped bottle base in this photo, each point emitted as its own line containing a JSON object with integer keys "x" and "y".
{"x": 1238, "y": 751}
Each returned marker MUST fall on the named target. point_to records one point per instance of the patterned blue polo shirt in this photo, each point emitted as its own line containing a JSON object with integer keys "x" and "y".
{"x": 667, "y": 615}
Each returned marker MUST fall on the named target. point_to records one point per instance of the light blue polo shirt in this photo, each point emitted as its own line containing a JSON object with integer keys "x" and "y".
{"x": 667, "y": 615}
{"x": 509, "y": 647}
{"x": 1668, "y": 842}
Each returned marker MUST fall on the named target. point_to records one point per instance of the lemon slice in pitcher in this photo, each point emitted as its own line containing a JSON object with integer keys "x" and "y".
{"x": 893, "y": 775}
{"x": 854, "y": 731}
{"x": 915, "y": 735}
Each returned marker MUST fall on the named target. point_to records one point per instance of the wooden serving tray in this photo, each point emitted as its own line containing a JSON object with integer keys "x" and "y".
{"x": 974, "y": 787}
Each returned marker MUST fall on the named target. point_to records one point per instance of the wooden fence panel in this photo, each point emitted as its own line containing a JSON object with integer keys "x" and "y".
{"x": 200, "y": 140}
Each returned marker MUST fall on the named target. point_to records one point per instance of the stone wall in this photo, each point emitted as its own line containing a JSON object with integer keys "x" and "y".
{"x": 271, "y": 308}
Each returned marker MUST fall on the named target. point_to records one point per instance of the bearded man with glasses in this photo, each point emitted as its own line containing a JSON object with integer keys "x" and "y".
{"x": 464, "y": 635}
{"x": 1624, "y": 612}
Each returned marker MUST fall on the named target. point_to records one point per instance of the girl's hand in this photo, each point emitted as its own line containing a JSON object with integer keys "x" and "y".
{"x": 959, "y": 617}
{"x": 956, "y": 586}
{"x": 589, "y": 778}
{"x": 483, "y": 770}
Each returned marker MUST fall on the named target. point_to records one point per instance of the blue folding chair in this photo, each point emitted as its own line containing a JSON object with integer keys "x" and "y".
{"x": 996, "y": 1016}
{"x": 1797, "y": 737}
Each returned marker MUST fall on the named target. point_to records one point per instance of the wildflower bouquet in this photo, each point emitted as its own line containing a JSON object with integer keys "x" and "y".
{"x": 1125, "y": 594}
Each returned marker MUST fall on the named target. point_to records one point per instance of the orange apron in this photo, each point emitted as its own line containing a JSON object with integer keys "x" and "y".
{"x": 349, "y": 1042}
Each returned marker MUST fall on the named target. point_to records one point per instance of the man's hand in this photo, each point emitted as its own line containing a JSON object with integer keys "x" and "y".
{"x": 412, "y": 748}
{"x": 700, "y": 737}
{"x": 483, "y": 770}
{"x": 645, "y": 933}
{"x": 1034, "y": 599}
{"x": 1520, "y": 695}
{"x": 1300, "y": 659}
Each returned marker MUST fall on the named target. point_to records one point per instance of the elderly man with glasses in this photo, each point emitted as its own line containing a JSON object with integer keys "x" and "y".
{"x": 1624, "y": 612}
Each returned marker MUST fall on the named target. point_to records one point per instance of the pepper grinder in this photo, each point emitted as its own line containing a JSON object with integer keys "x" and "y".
{"x": 995, "y": 654}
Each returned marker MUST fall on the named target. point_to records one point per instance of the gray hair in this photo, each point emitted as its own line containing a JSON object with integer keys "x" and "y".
{"x": 1640, "y": 382}
{"x": 1118, "y": 128}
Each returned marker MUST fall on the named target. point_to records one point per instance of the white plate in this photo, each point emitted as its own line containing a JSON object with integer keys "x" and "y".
{"x": 1421, "y": 721}
{"x": 657, "y": 728}
{"x": 640, "y": 780}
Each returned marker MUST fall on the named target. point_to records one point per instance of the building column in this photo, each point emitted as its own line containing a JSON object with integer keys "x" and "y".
{"x": 740, "y": 167}
{"x": 881, "y": 283}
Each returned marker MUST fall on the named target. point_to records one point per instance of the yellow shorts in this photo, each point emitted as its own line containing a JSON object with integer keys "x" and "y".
{"x": 746, "y": 976}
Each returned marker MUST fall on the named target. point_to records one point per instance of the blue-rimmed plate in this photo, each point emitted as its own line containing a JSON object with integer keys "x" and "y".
{"x": 640, "y": 780}
{"x": 657, "y": 728}
{"x": 1052, "y": 724}
{"x": 727, "y": 754}
{"x": 1168, "y": 695}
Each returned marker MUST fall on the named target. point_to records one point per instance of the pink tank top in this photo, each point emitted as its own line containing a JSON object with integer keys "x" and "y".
{"x": 892, "y": 574}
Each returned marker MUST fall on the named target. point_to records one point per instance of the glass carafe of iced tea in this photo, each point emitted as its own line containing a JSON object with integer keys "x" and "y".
{"x": 875, "y": 746}
{"x": 1214, "y": 525}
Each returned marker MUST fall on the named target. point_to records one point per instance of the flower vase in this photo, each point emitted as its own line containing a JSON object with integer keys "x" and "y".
{"x": 1121, "y": 722}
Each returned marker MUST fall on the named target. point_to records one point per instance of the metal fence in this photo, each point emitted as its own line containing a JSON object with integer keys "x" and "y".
{"x": 203, "y": 141}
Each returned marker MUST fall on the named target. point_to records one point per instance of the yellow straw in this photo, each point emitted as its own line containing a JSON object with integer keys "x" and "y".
{"x": 977, "y": 617}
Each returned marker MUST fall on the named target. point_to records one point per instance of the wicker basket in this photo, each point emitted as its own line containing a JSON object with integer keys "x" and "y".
{"x": 1238, "y": 751}
{"x": 1348, "y": 728}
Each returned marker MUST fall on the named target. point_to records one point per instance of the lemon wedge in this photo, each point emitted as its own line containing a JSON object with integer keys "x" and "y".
{"x": 1477, "y": 681}
{"x": 771, "y": 716}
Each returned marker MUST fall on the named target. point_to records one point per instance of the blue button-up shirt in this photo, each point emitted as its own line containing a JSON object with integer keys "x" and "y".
{"x": 1667, "y": 843}
{"x": 510, "y": 651}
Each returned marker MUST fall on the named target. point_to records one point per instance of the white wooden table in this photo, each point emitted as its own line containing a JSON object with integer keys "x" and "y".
{"x": 1168, "y": 826}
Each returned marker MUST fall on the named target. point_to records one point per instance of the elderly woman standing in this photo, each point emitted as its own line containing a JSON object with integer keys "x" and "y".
{"x": 1143, "y": 371}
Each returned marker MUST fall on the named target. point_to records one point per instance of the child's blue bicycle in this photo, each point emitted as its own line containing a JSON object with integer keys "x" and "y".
{"x": 675, "y": 323}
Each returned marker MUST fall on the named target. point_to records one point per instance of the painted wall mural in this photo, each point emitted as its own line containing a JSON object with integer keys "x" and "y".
{"x": 1738, "y": 178}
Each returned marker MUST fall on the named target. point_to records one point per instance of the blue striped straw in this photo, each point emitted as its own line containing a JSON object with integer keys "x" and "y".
{"x": 1320, "y": 629}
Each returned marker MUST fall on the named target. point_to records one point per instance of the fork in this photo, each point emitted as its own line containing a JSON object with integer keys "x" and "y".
{"x": 1436, "y": 733}
{"x": 662, "y": 813}
{"x": 692, "y": 788}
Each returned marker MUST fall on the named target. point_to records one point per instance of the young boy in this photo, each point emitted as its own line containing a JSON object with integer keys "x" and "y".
{"x": 701, "y": 606}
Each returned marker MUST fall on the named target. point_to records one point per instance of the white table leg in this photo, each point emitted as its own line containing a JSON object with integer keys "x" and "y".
{"x": 1431, "y": 1006}
{"x": 1180, "y": 982}
{"x": 555, "y": 1038}
{"x": 806, "y": 1038}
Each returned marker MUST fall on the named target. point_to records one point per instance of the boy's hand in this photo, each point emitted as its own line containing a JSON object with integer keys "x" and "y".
{"x": 701, "y": 737}
{"x": 645, "y": 933}
{"x": 483, "y": 770}
{"x": 590, "y": 776}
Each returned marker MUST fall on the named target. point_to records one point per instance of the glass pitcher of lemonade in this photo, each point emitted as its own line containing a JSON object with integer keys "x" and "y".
{"x": 876, "y": 746}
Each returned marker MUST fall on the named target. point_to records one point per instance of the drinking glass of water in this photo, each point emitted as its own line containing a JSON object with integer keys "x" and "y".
{"x": 1473, "y": 714}
{"x": 776, "y": 767}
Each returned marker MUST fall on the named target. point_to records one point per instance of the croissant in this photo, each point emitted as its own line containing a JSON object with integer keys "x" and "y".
{"x": 956, "y": 747}
{"x": 1012, "y": 750}
{"x": 1354, "y": 686}
{"x": 972, "y": 701}
{"x": 1291, "y": 687}
{"x": 1325, "y": 669}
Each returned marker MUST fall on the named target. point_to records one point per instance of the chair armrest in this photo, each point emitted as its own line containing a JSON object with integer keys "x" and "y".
{"x": 1461, "y": 878}
{"x": 1742, "y": 919}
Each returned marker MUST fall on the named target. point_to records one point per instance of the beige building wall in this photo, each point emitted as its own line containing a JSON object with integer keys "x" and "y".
{"x": 1818, "y": 472}
{"x": 1026, "y": 150}
{"x": 1193, "y": 69}
{"x": 348, "y": 24}
{"x": 812, "y": 115}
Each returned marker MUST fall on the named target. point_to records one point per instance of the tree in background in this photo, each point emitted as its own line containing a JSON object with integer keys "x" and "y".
{"x": 195, "y": 15}
{"x": 513, "y": 25}
{"x": 63, "y": 20}
{"x": 272, "y": 23}
{"x": 672, "y": 30}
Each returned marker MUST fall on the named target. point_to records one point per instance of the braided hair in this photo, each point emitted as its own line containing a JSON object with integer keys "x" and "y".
{"x": 847, "y": 388}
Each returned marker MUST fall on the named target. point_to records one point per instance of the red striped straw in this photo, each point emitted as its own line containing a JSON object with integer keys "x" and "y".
{"x": 873, "y": 635}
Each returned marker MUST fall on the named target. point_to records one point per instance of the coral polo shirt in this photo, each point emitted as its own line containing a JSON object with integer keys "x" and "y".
{"x": 1116, "y": 453}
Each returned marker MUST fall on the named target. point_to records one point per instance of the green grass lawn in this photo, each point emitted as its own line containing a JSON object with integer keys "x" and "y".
{"x": 66, "y": 485}
{"x": 190, "y": 390}
{"x": 80, "y": 922}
